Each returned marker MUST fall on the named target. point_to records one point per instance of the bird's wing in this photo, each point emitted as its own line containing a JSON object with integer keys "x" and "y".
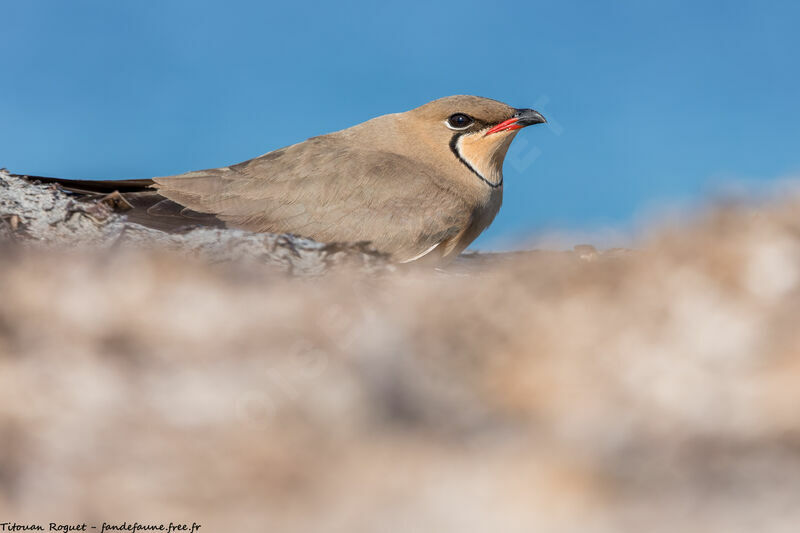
{"x": 328, "y": 192}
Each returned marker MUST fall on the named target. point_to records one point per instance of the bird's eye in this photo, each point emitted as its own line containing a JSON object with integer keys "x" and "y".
{"x": 459, "y": 121}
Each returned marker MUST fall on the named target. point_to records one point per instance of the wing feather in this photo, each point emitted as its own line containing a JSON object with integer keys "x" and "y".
{"x": 322, "y": 190}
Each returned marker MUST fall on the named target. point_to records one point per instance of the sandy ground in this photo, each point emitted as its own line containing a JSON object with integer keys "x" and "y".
{"x": 655, "y": 390}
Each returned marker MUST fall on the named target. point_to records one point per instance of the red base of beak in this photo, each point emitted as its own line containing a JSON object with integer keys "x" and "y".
{"x": 506, "y": 125}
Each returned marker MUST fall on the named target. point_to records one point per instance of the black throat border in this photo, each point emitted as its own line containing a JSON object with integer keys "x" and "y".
{"x": 454, "y": 149}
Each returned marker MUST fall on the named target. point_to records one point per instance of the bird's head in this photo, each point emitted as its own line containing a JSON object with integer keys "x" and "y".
{"x": 475, "y": 131}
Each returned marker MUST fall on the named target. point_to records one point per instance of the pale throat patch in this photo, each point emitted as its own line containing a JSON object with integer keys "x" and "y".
{"x": 485, "y": 154}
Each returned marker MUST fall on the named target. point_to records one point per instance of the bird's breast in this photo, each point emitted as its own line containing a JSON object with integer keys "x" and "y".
{"x": 484, "y": 210}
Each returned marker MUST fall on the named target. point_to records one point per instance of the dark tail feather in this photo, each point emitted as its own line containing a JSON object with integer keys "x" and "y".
{"x": 142, "y": 203}
{"x": 93, "y": 186}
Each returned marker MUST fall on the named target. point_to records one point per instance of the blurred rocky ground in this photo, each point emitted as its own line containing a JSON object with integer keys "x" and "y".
{"x": 655, "y": 390}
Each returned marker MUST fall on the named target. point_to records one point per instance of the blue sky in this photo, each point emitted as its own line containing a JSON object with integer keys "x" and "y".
{"x": 650, "y": 102}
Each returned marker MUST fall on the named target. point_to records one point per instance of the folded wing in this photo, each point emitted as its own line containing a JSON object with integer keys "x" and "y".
{"x": 322, "y": 190}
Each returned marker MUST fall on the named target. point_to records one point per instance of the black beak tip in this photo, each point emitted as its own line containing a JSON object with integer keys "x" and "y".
{"x": 529, "y": 117}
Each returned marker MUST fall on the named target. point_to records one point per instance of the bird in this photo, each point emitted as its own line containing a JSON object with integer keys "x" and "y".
{"x": 418, "y": 184}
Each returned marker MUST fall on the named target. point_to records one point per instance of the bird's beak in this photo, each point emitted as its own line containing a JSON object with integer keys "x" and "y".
{"x": 522, "y": 118}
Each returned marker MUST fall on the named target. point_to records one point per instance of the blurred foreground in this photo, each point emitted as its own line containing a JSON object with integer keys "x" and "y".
{"x": 655, "y": 390}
